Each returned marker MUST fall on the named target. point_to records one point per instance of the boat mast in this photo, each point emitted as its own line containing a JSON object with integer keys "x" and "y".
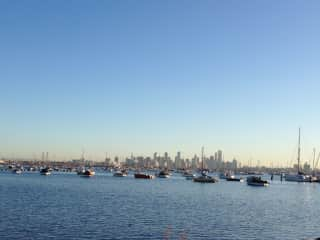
{"x": 299, "y": 152}
{"x": 202, "y": 149}
{"x": 314, "y": 157}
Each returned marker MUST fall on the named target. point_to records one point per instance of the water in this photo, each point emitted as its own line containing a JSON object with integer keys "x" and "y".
{"x": 66, "y": 206}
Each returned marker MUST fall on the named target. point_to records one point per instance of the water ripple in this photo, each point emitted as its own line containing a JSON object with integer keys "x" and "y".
{"x": 65, "y": 206}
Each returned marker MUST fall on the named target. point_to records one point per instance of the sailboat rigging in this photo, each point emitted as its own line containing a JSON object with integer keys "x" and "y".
{"x": 299, "y": 176}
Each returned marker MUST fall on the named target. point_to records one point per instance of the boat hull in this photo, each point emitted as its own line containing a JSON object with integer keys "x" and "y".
{"x": 86, "y": 175}
{"x": 235, "y": 179}
{"x": 119, "y": 175}
{"x": 205, "y": 179}
{"x": 257, "y": 181}
{"x": 297, "y": 178}
{"x": 190, "y": 177}
{"x": 143, "y": 176}
{"x": 163, "y": 176}
{"x": 258, "y": 184}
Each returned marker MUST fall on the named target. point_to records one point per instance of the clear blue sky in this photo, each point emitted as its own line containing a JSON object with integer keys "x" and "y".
{"x": 145, "y": 76}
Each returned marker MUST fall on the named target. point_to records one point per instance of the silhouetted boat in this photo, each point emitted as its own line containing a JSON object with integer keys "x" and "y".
{"x": 144, "y": 176}
{"x": 163, "y": 174}
{"x": 86, "y": 173}
{"x": 234, "y": 179}
{"x": 257, "y": 181}
{"x": 45, "y": 171}
{"x": 204, "y": 178}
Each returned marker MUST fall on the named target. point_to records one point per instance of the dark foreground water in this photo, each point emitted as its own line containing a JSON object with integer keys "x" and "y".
{"x": 66, "y": 206}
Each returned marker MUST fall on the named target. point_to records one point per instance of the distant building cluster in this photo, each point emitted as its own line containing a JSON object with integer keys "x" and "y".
{"x": 214, "y": 162}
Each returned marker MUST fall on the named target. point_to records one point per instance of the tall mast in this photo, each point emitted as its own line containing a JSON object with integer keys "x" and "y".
{"x": 314, "y": 158}
{"x": 202, "y": 149}
{"x": 299, "y": 152}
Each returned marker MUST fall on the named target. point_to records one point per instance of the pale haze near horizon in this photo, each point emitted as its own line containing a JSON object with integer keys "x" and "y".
{"x": 160, "y": 76}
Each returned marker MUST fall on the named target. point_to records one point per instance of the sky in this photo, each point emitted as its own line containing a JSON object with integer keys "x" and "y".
{"x": 140, "y": 77}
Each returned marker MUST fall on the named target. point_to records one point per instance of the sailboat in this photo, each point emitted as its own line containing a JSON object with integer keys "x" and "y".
{"x": 299, "y": 176}
{"x": 204, "y": 178}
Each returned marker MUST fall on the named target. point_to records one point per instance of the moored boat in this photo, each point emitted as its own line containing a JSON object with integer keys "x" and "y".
{"x": 204, "y": 178}
{"x": 17, "y": 171}
{"x": 188, "y": 175}
{"x": 234, "y": 179}
{"x": 299, "y": 176}
{"x": 163, "y": 174}
{"x": 226, "y": 175}
{"x": 143, "y": 176}
{"x": 86, "y": 173}
{"x": 80, "y": 171}
{"x": 45, "y": 171}
{"x": 257, "y": 181}
{"x": 122, "y": 173}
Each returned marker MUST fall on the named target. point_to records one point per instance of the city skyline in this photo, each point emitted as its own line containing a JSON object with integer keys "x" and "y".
{"x": 166, "y": 157}
{"x": 143, "y": 77}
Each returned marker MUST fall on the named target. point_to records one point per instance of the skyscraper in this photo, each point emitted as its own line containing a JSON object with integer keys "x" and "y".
{"x": 177, "y": 160}
{"x": 219, "y": 155}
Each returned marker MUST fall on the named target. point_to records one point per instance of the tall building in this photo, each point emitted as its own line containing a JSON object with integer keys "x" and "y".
{"x": 148, "y": 162}
{"x": 211, "y": 163}
{"x": 167, "y": 160}
{"x": 166, "y": 157}
{"x": 177, "y": 160}
{"x": 162, "y": 163}
{"x": 234, "y": 164}
{"x": 195, "y": 162}
{"x": 188, "y": 163}
{"x": 155, "y": 157}
{"x": 219, "y": 155}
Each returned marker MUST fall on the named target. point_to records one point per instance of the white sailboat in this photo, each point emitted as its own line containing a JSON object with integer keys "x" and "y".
{"x": 299, "y": 176}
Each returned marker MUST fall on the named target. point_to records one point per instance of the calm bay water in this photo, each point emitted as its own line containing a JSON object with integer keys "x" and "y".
{"x": 66, "y": 206}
